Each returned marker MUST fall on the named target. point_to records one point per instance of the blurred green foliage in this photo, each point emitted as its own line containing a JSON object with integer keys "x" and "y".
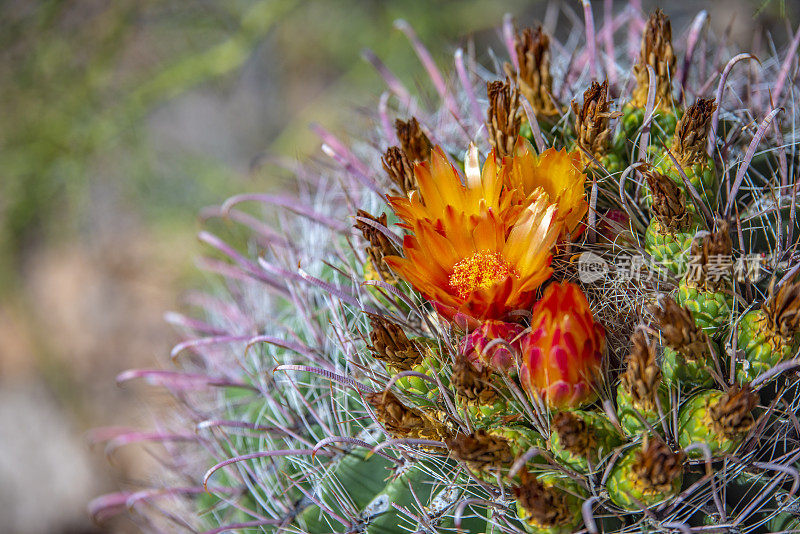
{"x": 79, "y": 82}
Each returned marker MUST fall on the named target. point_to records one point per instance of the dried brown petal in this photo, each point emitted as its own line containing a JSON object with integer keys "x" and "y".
{"x": 546, "y": 506}
{"x": 389, "y": 344}
{"x": 783, "y": 309}
{"x": 413, "y": 140}
{"x": 710, "y": 262}
{"x": 679, "y": 330}
{"x": 642, "y": 374}
{"x": 657, "y": 53}
{"x": 400, "y": 170}
{"x": 380, "y": 245}
{"x": 732, "y": 414}
{"x": 657, "y": 467}
{"x": 503, "y": 120}
{"x": 473, "y": 386}
{"x": 574, "y": 435}
{"x": 533, "y": 70}
{"x": 592, "y": 120}
{"x": 669, "y": 204}
{"x": 481, "y": 451}
{"x": 401, "y": 421}
{"x": 691, "y": 132}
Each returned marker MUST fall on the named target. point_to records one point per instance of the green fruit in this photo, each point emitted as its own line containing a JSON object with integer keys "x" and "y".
{"x": 669, "y": 249}
{"x": 763, "y": 350}
{"x": 605, "y": 436}
{"x": 702, "y": 176}
{"x": 625, "y": 488}
{"x": 711, "y": 309}
{"x": 629, "y": 411}
{"x": 414, "y": 385}
{"x": 677, "y": 370}
{"x": 502, "y": 411}
{"x": 696, "y": 425}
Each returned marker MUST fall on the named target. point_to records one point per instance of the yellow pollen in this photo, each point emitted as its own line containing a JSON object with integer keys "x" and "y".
{"x": 480, "y": 271}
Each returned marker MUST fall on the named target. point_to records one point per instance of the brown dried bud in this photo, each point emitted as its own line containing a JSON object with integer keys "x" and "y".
{"x": 592, "y": 120}
{"x": 481, "y": 451}
{"x": 401, "y": 421}
{"x": 546, "y": 506}
{"x": 389, "y": 344}
{"x": 533, "y": 70}
{"x": 400, "y": 170}
{"x": 473, "y": 386}
{"x": 732, "y": 414}
{"x": 783, "y": 310}
{"x": 657, "y": 467}
{"x": 642, "y": 374}
{"x": 574, "y": 435}
{"x": 503, "y": 120}
{"x": 415, "y": 143}
{"x": 710, "y": 262}
{"x": 691, "y": 133}
{"x": 679, "y": 330}
{"x": 669, "y": 205}
{"x": 657, "y": 53}
{"x": 380, "y": 245}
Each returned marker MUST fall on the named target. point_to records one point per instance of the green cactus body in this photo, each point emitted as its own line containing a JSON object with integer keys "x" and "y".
{"x": 607, "y": 437}
{"x": 711, "y": 309}
{"x": 696, "y": 426}
{"x": 503, "y": 411}
{"x": 762, "y": 349}
{"x": 363, "y": 476}
{"x": 662, "y": 126}
{"x": 680, "y": 371}
{"x": 521, "y": 439}
{"x": 629, "y": 411}
{"x": 702, "y": 176}
{"x": 625, "y": 489}
{"x": 668, "y": 249}
{"x": 571, "y": 492}
{"x": 414, "y": 385}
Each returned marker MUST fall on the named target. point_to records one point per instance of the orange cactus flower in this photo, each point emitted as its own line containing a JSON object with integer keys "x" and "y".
{"x": 558, "y": 173}
{"x": 466, "y": 252}
{"x": 563, "y": 353}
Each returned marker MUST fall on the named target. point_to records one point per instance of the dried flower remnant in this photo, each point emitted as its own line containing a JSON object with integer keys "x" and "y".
{"x": 401, "y": 421}
{"x": 533, "y": 70}
{"x": 656, "y": 52}
{"x": 732, "y": 414}
{"x": 471, "y": 385}
{"x": 691, "y": 133}
{"x": 415, "y": 144}
{"x": 669, "y": 203}
{"x": 379, "y": 247}
{"x": 592, "y": 121}
{"x": 482, "y": 451}
{"x": 543, "y": 507}
{"x": 574, "y": 435}
{"x": 388, "y": 343}
{"x": 503, "y": 120}
{"x": 400, "y": 170}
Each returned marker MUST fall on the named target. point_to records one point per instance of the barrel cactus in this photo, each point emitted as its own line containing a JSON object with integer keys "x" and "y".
{"x": 418, "y": 348}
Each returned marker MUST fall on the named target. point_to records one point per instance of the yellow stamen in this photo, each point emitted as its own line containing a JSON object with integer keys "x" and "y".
{"x": 480, "y": 271}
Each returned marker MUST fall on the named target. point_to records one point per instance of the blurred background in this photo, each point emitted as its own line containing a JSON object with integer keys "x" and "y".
{"x": 120, "y": 120}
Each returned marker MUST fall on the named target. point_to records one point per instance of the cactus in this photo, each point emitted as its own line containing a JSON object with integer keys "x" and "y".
{"x": 444, "y": 364}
